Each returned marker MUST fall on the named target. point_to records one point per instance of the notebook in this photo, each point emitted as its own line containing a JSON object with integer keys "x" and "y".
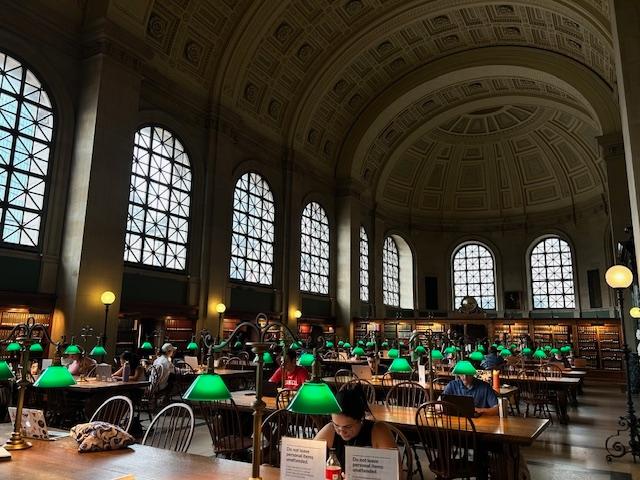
{"x": 34, "y": 424}
{"x": 363, "y": 372}
{"x": 464, "y": 404}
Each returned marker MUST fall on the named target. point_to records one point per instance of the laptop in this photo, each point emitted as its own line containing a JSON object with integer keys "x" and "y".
{"x": 34, "y": 424}
{"x": 270, "y": 389}
{"x": 192, "y": 362}
{"x": 363, "y": 372}
{"x": 463, "y": 403}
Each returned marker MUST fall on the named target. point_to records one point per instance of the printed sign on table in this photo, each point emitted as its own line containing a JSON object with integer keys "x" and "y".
{"x": 302, "y": 459}
{"x": 371, "y": 463}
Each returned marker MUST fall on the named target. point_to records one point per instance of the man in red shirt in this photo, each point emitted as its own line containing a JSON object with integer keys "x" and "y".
{"x": 294, "y": 375}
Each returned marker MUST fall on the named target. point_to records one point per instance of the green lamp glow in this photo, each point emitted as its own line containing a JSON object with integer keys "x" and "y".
{"x": 481, "y": 349}
{"x": 5, "y": 371}
{"x": 294, "y": 346}
{"x": 513, "y": 346}
{"x": 358, "y": 352}
{"x": 554, "y": 351}
{"x": 370, "y": 344}
{"x": 72, "y": 350}
{"x": 385, "y": 344}
{"x": 400, "y": 365}
{"x": 476, "y": 356}
{"x": 207, "y": 387}
{"x": 500, "y": 348}
{"x": 97, "y": 351}
{"x": 449, "y": 350}
{"x": 505, "y": 352}
{"x": 192, "y": 346}
{"x": 314, "y": 398}
{"x": 420, "y": 350}
{"x": 13, "y": 347}
{"x": 539, "y": 353}
{"x": 393, "y": 353}
{"x": 329, "y": 344}
{"x": 526, "y": 351}
{"x": 495, "y": 345}
{"x": 146, "y": 346}
{"x": 464, "y": 367}
{"x": 360, "y": 343}
{"x": 36, "y": 348}
{"x": 55, "y": 376}
{"x": 565, "y": 349}
{"x": 306, "y": 360}
{"x": 267, "y": 359}
{"x": 436, "y": 354}
{"x": 346, "y": 345}
{"x": 340, "y": 343}
{"x": 547, "y": 348}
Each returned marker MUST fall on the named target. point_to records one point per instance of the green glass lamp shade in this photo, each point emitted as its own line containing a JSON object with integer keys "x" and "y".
{"x": 13, "y": 347}
{"x": 400, "y": 365}
{"x": 207, "y": 387}
{"x": 192, "y": 346}
{"x": 458, "y": 349}
{"x": 449, "y": 350}
{"x": 370, "y": 345}
{"x": 55, "y": 376}
{"x": 420, "y": 350}
{"x": 340, "y": 343}
{"x": 547, "y": 348}
{"x": 476, "y": 356}
{"x": 500, "y": 347}
{"x": 72, "y": 350}
{"x": 346, "y": 345}
{"x": 329, "y": 344}
{"x": 513, "y": 346}
{"x": 360, "y": 343}
{"x": 358, "y": 352}
{"x": 5, "y": 371}
{"x": 436, "y": 354}
{"x": 36, "y": 347}
{"x": 393, "y": 353}
{"x": 481, "y": 349}
{"x": 539, "y": 353}
{"x": 495, "y": 345}
{"x": 314, "y": 398}
{"x": 527, "y": 351}
{"x": 97, "y": 351}
{"x": 554, "y": 351}
{"x": 306, "y": 360}
{"x": 565, "y": 349}
{"x": 267, "y": 359}
{"x": 146, "y": 346}
{"x": 385, "y": 344}
{"x": 294, "y": 346}
{"x": 505, "y": 352}
{"x": 464, "y": 367}
{"x": 237, "y": 345}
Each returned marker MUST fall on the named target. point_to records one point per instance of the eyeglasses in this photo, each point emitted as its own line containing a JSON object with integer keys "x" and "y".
{"x": 344, "y": 428}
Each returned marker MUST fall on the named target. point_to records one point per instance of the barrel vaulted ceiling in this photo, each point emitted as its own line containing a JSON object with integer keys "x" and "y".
{"x": 435, "y": 108}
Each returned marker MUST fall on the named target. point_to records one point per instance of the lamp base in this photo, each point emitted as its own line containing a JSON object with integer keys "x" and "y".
{"x": 16, "y": 442}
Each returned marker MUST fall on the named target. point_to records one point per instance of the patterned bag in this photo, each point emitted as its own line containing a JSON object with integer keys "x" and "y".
{"x": 100, "y": 436}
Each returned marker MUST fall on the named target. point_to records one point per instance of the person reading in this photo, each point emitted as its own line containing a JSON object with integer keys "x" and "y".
{"x": 294, "y": 375}
{"x": 484, "y": 398}
{"x": 137, "y": 371}
{"x": 80, "y": 364}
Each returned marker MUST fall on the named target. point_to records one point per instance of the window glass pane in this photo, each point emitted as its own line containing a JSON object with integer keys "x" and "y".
{"x": 474, "y": 275}
{"x": 253, "y": 227}
{"x": 364, "y": 265}
{"x": 390, "y": 273}
{"x": 159, "y": 201}
{"x": 26, "y": 130}
{"x": 552, "y": 274}
{"x": 314, "y": 241}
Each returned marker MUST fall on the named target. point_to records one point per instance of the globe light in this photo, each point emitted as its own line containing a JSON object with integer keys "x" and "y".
{"x": 618, "y": 276}
{"x": 107, "y": 298}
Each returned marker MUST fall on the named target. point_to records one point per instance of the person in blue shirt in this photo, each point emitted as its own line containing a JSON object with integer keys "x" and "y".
{"x": 493, "y": 360}
{"x": 484, "y": 398}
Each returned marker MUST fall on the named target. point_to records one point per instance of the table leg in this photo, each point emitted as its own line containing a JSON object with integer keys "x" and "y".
{"x": 562, "y": 397}
{"x": 508, "y": 463}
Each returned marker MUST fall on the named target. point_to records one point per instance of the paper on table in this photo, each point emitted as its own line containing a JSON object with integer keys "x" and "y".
{"x": 422, "y": 374}
{"x": 371, "y": 463}
{"x": 302, "y": 459}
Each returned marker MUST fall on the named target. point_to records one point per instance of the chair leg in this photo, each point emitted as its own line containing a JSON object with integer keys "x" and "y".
{"x": 417, "y": 459}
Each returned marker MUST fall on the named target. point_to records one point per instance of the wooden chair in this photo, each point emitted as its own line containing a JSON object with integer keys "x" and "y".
{"x": 449, "y": 440}
{"x": 117, "y": 410}
{"x": 283, "y": 423}
{"x": 406, "y": 394}
{"x": 171, "y": 429}
{"x": 223, "y": 421}
{"x": 405, "y": 451}
{"x": 534, "y": 392}
{"x": 284, "y": 397}
{"x": 551, "y": 370}
{"x": 367, "y": 387}
{"x": 343, "y": 376}
{"x": 152, "y": 398}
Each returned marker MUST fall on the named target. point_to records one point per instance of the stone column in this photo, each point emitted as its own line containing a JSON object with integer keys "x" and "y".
{"x": 93, "y": 246}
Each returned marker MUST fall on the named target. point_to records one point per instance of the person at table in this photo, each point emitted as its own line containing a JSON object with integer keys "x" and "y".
{"x": 136, "y": 370}
{"x": 350, "y": 428}
{"x": 294, "y": 375}
{"x": 80, "y": 364}
{"x": 164, "y": 360}
{"x": 560, "y": 358}
{"x": 484, "y": 398}
{"x": 493, "y": 361}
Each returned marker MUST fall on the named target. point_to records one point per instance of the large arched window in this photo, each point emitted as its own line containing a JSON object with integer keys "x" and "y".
{"x": 390, "y": 273}
{"x": 552, "y": 274}
{"x": 474, "y": 275}
{"x": 253, "y": 231}
{"x": 159, "y": 201}
{"x": 364, "y": 265}
{"x": 314, "y": 250}
{"x": 26, "y": 131}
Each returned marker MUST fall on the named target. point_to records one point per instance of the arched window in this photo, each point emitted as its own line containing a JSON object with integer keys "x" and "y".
{"x": 159, "y": 201}
{"x": 474, "y": 275}
{"x": 253, "y": 231}
{"x": 314, "y": 250}
{"x": 390, "y": 273}
{"x": 364, "y": 265}
{"x": 552, "y": 274}
{"x": 26, "y": 131}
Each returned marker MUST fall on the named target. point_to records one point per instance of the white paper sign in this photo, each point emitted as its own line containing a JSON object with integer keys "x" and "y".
{"x": 422, "y": 374}
{"x": 302, "y": 459}
{"x": 371, "y": 463}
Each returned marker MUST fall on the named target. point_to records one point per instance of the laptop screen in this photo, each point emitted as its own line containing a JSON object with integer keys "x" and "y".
{"x": 462, "y": 405}
{"x": 34, "y": 424}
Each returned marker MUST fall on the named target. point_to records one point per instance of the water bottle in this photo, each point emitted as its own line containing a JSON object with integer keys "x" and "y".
{"x": 333, "y": 471}
{"x": 126, "y": 371}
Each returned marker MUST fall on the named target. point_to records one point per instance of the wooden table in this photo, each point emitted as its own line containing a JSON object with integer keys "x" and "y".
{"x": 60, "y": 459}
{"x": 92, "y": 386}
